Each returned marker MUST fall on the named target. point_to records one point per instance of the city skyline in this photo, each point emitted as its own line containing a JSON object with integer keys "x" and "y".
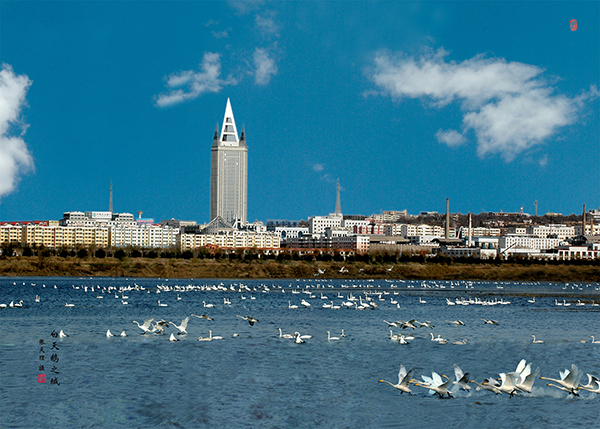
{"x": 492, "y": 105}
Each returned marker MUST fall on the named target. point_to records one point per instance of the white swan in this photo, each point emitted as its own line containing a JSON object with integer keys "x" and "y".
{"x": 594, "y": 341}
{"x": 109, "y": 334}
{"x": 123, "y": 334}
{"x": 215, "y": 337}
{"x": 172, "y": 338}
{"x": 204, "y": 316}
{"x": 489, "y": 384}
{"x": 161, "y": 325}
{"x": 205, "y": 338}
{"x": 330, "y": 338}
{"x": 462, "y": 379}
{"x": 282, "y": 335}
{"x": 161, "y": 305}
{"x": 525, "y": 381}
{"x": 305, "y": 303}
{"x": 403, "y": 380}
{"x": 207, "y": 305}
{"x": 251, "y": 320}
{"x": 145, "y": 326}
{"x": 537, "y": 341}
{"x": 439, "y": 338}
{"x": 291, "y": 306}
{"x": 182, "y": 328}
{"x": 593, "y": 384}
{"x": 393, "y": 324}
{"x": 509, "y": 382}
{"x": 402, "y": 339}
{"x": 569, "y": 380}
{"x": 61, "y": 334}
{"x": 437, "y": 385}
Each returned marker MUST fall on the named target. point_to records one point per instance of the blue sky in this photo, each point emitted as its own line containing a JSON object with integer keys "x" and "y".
{"x": 491, "y": 104}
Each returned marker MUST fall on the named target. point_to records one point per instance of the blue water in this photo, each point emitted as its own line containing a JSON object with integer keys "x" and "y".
{"x": 257, "y": 379}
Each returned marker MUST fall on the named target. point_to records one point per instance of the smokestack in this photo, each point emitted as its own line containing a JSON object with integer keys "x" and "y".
{"x": 447, "y": 218}
{"x": 470, "y": 231}
{"x": 535, "y": 208}
{"x": 583, "y": 229}
{"x": 338, "y": 203}
{"x": 110, "y": 205}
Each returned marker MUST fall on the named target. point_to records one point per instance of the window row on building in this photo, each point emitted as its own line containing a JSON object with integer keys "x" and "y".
{"x": 56, "y": 236}
{"x": 357, "y": 243}
{"x": 229, "y": 240}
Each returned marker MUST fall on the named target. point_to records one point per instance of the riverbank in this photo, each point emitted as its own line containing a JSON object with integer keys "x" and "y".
{"x": 269, "y": 269}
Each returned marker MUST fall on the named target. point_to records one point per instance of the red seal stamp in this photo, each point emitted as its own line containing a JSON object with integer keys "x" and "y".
{"x": 573, "y": 25}
{"x": 41, "y": 378}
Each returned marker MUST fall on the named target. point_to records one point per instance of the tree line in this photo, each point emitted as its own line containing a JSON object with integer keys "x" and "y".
{"x": 377, "y": 257}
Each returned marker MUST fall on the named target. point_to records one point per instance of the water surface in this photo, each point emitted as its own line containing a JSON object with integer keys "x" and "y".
{"x": 253, "y": 378}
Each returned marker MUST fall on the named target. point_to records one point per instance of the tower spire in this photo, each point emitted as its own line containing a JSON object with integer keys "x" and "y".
{"x": 229, "y": 134}
{"x": 338, "y": 203}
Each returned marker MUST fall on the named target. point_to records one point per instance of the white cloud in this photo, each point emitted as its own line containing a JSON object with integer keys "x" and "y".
{"x": 220, "y": 34}
{"x": 266, "y": 25}
{"x": 451, "y": 137}
{"x": 195, "y": 83}
{"x": 244, "y": 6}
{"x": 508, "y": 105}
{"x": 14, "y": 155}
{"x": 264, "y": 65}
{"x": 318, "y": 168}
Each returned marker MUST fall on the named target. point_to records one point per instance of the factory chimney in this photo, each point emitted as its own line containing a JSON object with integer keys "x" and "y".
{"x": 110, "y": 204}
{"x": 583, "y": 219}
{"x": 470, "y": 232}
{"x": 447, "y": 218}
{"x": 338, "y": 202}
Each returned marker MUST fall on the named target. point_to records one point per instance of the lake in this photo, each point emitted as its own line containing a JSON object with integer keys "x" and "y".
{"x": 253, "y": 378}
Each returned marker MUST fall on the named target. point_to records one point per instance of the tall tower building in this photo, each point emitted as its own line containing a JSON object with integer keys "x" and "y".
{"x": 229, "y": 172}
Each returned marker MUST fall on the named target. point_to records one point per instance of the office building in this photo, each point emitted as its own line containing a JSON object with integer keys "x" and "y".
{"x": 229, "y": 172}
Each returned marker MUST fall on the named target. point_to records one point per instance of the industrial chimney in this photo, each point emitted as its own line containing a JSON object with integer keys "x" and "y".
{"x": 110, "y": 204}
{"x": 447, "y": 218}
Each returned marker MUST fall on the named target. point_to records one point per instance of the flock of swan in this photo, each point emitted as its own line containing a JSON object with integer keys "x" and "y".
{"x": 519, "y": 381}
{"x": 363, "y": 299}
{"x": 368, "y": 299}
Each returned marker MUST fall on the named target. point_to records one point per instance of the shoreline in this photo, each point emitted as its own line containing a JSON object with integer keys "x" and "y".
{"x": 54, "y": 266}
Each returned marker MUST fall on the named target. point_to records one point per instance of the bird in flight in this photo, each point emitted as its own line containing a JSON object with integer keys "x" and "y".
{"x": 251, "y": 320}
